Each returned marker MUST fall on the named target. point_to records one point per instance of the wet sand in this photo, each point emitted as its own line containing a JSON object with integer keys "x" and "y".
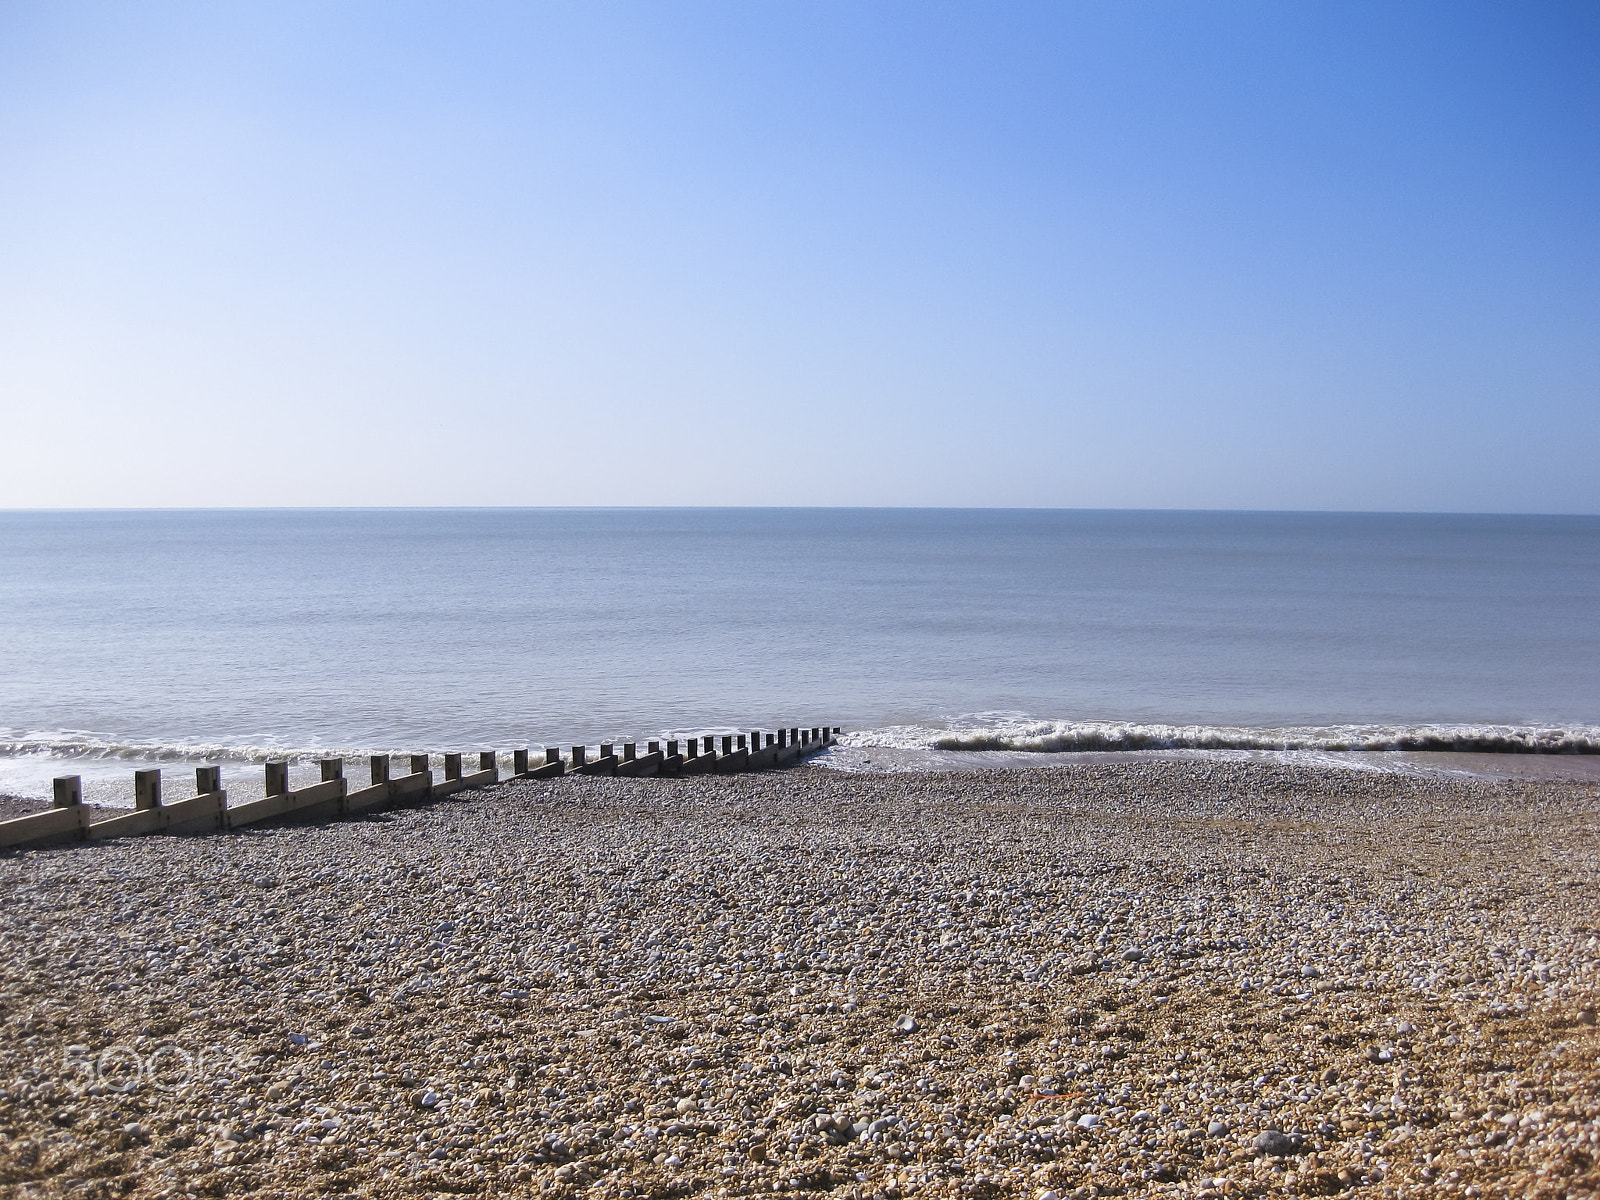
{"x": 1138, "y": 978}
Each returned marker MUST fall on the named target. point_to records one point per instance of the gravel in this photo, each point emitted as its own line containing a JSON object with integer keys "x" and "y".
{"x": 1198, "y": 978}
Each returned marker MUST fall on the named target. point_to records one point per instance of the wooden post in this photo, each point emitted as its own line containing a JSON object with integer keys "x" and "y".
{"x": 655, "y": 748}
{"x": 332, "y": 768}
{"x": 727, "y": 743}
{"x": 147, "y": 789}
{"x": 379, "y": 764}
{"x": 207, "y": 780}
{"x": 67, "y": 791}
{"x": 519, "y": 762}
{"x": 794, "y": 737}
{"x": 579, "y": 753}
{"x": 452, "y": 767}
{"x": 605, "y": 749}
{"x": 277, "y": 778}
{"x": 672, "y": 749}
{"x": 783, "y": 738}
{"x": 552, "y": 754}
{"x": 419, "y": 763}
{"x": 629, "y": 751}
{"x": 486, "y": 760}
{"x": 739, "y": 742}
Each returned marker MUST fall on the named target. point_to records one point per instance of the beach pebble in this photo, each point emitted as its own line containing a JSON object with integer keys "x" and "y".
{"x": 1273, "y": 1143}
{"x": 555, "y": 987}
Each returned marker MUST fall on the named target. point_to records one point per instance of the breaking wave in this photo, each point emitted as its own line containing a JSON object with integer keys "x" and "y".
{"x": 1057, "y": 737}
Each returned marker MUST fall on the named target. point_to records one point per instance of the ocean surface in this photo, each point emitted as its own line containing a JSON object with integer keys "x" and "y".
{"x": 932, "y": 636}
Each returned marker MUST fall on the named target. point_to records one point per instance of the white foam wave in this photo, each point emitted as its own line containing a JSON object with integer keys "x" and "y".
{"x": 987, "y": 733}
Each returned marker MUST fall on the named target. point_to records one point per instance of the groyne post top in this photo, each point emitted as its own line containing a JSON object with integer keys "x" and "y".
{"x": 835, "y": 729}
{"x": 380, "y": 768}
{"x": 332, "y": 768}
{"x": 629, "y": 751}
{"x": 419, "y": 763}
{"x": 147, "y": 788}
{"x": 277, "y": 778}
{"x": 783, "y": 738}
{"x": 519, "y": 761}
{"x": 794, "y": 737}
{"x": 452, "y": 766}
{"x": 605, "y": 749}
{"x": 486, "y": 760}
{"x": 655, "y": 748}
{"x": 552, "y": 754}
{"x": 672, "y": 748}
{"x": 727, "y": 743}
{"x": 207, "y": 780}
{"x": 579, "y": 753}
{"x": 67, "y": 791}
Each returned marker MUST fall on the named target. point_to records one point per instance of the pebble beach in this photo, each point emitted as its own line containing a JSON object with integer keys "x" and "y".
{"x": 1171, "y": 978}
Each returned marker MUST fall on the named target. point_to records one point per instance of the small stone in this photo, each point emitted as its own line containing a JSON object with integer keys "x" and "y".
{"x": 1133, "y": 956}
{"x": 297, "y": 1039}
{"x": 907, "y": 1024}
{"x": 1028, "y": 1082}
{"x": 1217, "y": 1129}
{"x": 1088, "y": 1121}
{"x": 1274, "y": 1143}
{"x": 687, "y": 1106}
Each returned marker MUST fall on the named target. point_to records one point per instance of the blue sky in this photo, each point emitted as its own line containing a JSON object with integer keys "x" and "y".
{"x": 1231, "y": 255}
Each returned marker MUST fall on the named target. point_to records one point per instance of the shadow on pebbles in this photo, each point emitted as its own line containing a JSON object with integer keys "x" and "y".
{"x": 1186, "y": 978}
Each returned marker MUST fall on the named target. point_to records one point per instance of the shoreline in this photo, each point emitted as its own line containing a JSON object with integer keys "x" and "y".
{"x": 1196, "y": 978}
{"x": 108, "y": 783}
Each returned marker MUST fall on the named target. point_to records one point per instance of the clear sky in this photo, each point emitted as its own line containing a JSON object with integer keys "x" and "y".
{"x": 1122, "y": 254}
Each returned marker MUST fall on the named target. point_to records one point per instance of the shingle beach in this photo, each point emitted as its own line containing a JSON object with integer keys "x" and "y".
{"x": 1197, "y": 979}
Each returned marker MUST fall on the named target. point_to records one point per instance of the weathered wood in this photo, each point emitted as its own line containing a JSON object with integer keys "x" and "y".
{"x": 55, "y": 825}
{"x": 452, "y": 767}
{"x": 66, "y": 791}
{"x": 132, "y": 824}
{"x": 733, "y": 762}
{"x": 332, "y": 768}
{"x": 477, "y": 779}
{"x": 378, "y": 769}
{"x": 147, "y": 789}
{"x": 207, "y": 780}
{"x": 205, "y": 813}
{"x": 648, "y": 764}
{"x": 320, "y": 801}
{"x": 519, "y": 763}
{"x": 408, "y": 788}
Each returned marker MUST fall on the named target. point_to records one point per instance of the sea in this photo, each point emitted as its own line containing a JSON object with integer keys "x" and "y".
{"x": 934, "y": 638}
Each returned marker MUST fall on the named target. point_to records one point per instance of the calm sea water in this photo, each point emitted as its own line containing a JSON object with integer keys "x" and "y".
{"x": 228, "y": 635}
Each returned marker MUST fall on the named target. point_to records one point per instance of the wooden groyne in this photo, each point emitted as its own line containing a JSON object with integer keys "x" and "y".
{"x": 330, "y": 799}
